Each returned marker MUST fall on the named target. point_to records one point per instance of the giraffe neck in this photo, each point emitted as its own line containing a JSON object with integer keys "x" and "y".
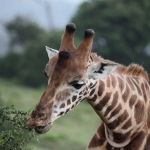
{"x": 121, "y": 104}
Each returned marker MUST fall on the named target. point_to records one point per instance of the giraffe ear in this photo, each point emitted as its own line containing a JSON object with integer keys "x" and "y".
{"x": 101, "y": 70}
{"x": 51, "y": 52}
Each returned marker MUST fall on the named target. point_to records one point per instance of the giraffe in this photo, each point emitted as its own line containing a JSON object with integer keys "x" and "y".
{"x": 118, "y": 94}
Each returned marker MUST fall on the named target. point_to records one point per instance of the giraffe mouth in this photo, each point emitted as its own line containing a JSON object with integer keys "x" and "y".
{"x": 43, "y": 129}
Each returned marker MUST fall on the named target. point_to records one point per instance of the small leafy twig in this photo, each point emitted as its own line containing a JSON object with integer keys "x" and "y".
{"x": 13, "y": 133}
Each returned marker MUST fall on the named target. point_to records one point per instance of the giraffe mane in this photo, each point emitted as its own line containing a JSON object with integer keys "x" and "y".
{"x": 133, "y": 69}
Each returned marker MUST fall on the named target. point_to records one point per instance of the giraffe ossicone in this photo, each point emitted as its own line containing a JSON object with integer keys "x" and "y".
{"x": 119, "y": 94}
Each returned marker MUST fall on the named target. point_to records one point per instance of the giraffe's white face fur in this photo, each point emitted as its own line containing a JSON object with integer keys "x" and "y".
{"x": 63, "y": 95}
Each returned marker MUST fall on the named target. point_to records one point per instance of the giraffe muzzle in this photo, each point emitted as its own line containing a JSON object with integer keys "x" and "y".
{"x": 43, "y": 129}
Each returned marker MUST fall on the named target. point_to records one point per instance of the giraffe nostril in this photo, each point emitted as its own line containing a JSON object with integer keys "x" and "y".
{"x": 41, "y": 115}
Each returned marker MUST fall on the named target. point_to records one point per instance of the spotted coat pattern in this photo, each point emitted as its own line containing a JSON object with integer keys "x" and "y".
{"x": 122, "y": 102}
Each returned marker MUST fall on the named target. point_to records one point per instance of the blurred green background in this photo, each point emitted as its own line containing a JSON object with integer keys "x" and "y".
{"x": 122, "y": 34}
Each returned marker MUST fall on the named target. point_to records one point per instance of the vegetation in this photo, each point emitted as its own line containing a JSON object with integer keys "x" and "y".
{"x": 13, "y": 133}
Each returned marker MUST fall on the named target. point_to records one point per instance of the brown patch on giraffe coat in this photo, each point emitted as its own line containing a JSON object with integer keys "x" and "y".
{"x": 113, "y": 81}
{"x": 80, "y": 97}
{"x": 93, "y": 85}
{"x": 125, "y": 94}
{"x": 109, "y": 108}
{"x": 86, "y": 89}
{"x": 91, "y": 93}
{"x": 123, "y": 116}
{"x": 137, "y": 86}
{"x": 130, "y": 84}
{"x": 115, "y": 111}
{"x": 94, "y": 98}
{"x": 144, "y": 92}
{"x": 95, "y": 141}
{"x": 62, "y": 105}
{"x": 72, "y": 106}
{"x": 127, "y": 124}
{"x": 74, "y": 98}
{"x": 115, "y": 98}
{"x": 60, "y": 114}
{"x": 139, "y": 112}
{"x": 103, "y": 102}
{"x": 147, "y": 86}
{"x": 148, "y": 143}
{"x": 148, "y": 120}
{"x": 85, "y": 93}
{"x": 109, "y": 147}
{"x": 120, "y": 83}
{"x": 134, "y": 135}
{"x": 136, "y": 143}
{"x": 120, "y": 137}
{"x": 99, "y": 138}
{"x": 115, "y": 123}
{"x": 137, "y": 79}
{"x": 81, "y": 93}
{"x": 68, "y": 102}
{"x": 67, "y": 110}
{"x": 132, "y": 100}
{"x": 101, "y": 88}
{"x": 113, "y": 103}
{"x": 108, "y": 81}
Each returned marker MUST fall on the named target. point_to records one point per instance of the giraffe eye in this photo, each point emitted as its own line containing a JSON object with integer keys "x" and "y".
{"x": 77, "y": 84}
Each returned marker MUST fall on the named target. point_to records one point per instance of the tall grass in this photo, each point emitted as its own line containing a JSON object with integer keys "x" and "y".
{"x": 70, "y": 132}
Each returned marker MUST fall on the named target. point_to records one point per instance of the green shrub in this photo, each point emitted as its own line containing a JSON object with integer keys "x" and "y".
{"x": 13, "y": 133}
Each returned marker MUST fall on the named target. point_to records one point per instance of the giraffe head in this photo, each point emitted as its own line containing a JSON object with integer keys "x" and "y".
{"x": 70, "y": 73}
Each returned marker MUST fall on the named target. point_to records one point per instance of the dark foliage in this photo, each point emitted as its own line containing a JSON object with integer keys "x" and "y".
{"x": 13, "y": 133}
{"x": 29, "y": 40}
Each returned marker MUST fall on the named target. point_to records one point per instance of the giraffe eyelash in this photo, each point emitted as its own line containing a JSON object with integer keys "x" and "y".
{"x": 77, "y": 84}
